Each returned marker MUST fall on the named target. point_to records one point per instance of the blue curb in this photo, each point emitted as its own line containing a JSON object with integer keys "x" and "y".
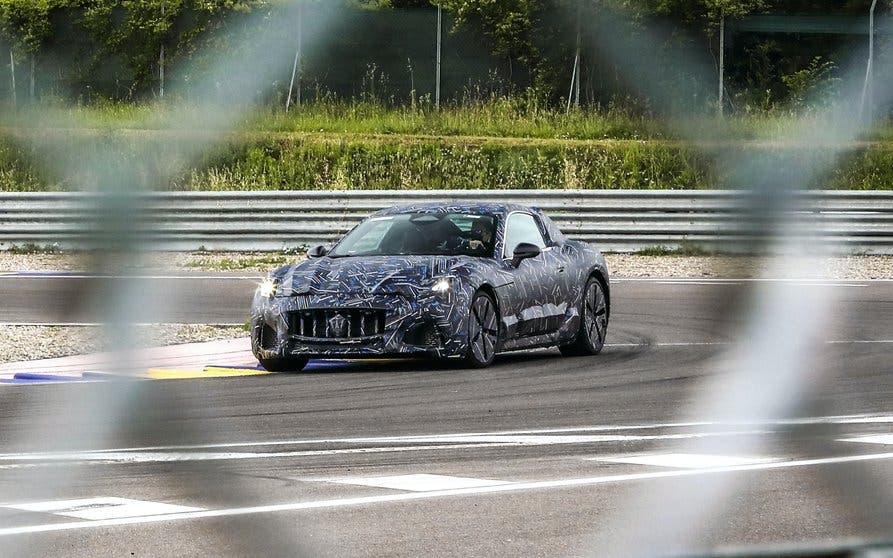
{"x": 316, "y": 364}
{"x": 31, "y": 376}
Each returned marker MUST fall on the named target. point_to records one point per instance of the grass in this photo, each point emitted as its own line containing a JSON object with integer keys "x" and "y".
{"x": 510, "y": 143}
{"x": 30, "y": 248}
{"x": 502, "y": 117}
{"x": 683, "y": 250}
{"x": 242, "y": 263}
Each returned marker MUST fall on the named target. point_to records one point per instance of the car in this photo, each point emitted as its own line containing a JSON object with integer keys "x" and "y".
{"x": 442, "y": 280}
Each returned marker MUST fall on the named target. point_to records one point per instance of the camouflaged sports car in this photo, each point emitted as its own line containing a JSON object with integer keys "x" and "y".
{"x": 442, "y": 280}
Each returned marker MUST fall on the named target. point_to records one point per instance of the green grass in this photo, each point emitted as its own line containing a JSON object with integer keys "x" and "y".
{"x": 241, "y": 263}
{"x": 438, "y": 164}
{"x": 507, "y": 143}
{"x": 507, "y": 117}
{"x": 510, "y": 117}
{"x": 684, "y": 250}
{"x": 29, "y": 248}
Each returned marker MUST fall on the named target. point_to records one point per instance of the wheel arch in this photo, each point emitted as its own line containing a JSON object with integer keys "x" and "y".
{"x": 491, "y": 292}
{"x": 600, "y": 276}
{"x": 488, "y": 288}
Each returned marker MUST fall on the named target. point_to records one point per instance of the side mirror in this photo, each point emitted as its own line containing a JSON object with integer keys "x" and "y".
{"x": 317, "y": 251}
{"x": 524, "y": 251}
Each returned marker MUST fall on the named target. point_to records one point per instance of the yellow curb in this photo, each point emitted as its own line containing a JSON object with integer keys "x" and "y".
{"x": 209, "y": 372}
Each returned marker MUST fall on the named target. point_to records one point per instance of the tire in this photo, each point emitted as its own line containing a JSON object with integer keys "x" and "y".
{"x": 590, "y": 339}
{"x": 483, "y": 331}
{"x": 292, "y": 364}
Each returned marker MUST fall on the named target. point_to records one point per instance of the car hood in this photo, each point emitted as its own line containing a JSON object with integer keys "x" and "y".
{"x": 364, "y": 275}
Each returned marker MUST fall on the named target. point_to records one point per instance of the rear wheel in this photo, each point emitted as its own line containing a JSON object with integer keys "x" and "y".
{"x": 590, "y": 338}
{"x": 291, "y": 364}
{"x": 483, "y": 331}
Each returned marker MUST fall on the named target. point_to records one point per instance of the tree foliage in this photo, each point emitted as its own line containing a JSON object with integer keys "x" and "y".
{"x": 110, "y": 48}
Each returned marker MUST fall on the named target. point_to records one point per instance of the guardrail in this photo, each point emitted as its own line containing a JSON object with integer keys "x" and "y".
{"x": 615, "y": 220}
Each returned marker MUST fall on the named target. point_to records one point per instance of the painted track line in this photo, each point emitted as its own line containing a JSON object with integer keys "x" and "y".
{"x": 403, "y": 497}
{"x": 427, "y": 438}
{"x": 101, "y": 324}
{"x": 434, "y": 444}
{"x": 48, "y": 276}
{"x": 259, "y": 276}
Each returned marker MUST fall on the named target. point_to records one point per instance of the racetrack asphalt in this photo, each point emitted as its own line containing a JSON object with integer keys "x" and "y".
{"x": 538, "y": 456}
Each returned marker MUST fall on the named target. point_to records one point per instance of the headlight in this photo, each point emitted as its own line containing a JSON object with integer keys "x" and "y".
{"x": 442, "y": 285}
{"x": 268, "y": 287}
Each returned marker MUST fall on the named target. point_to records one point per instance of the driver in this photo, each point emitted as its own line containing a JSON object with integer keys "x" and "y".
{"x": 483, "y": 236}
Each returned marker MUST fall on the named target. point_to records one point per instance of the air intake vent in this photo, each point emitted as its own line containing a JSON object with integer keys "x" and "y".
{"x": 344, "y": 323}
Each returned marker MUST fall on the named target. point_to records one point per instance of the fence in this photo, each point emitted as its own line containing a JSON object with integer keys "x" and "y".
{"x": 614, "y": 220}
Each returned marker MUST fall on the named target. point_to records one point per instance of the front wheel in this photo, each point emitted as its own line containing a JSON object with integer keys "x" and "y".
{"x": 590, "y": 338}
{"x": 291, "y": 364}
{"x": 483, "y": 331}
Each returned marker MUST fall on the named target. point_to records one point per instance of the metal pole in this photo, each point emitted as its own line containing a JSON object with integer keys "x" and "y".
{"x": 161, "y": 58}
{"x": 291, "y": 85}
{"x": 12, "y": 69}
{"x": 439, "y": 48}
{"x": 570, "y": 94}
{"x": 300, "y": 54}
{"x": 722, "y": 65}
{"x": 297, "y": 64}
{"x": 578, "y": 68}
{"x": 868, "y": 87}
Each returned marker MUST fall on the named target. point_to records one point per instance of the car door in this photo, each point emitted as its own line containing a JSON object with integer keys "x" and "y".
{"x": 535, "y": 290}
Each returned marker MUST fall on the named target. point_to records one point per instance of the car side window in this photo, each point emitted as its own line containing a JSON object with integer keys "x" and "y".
{"x": 521, "y": 227}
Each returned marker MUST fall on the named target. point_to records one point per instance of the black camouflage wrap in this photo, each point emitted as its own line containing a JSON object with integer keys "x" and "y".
{"x": 539, "y": 301}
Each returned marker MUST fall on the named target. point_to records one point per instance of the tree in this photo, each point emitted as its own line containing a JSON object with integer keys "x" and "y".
{"x": 25, "y": 26}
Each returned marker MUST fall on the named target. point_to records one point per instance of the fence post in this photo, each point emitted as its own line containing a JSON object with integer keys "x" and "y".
{"x": 296, "y": 66}
{"x": 722, "y": 65}
{"x": 439, "y": 48}
{"x": 868, "y": 87}
{"x": 12, "y": 69}
{"x": 161, "y": 57}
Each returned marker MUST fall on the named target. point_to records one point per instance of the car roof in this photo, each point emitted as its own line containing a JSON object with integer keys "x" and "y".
{"x": 474, "y": 208}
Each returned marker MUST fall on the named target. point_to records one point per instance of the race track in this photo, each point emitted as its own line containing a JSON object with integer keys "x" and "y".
{"x": 537, "y": 456}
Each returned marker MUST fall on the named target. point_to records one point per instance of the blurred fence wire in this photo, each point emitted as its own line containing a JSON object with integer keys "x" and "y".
{"x": 774, "y": 371}
{"x": 768, "y": 377}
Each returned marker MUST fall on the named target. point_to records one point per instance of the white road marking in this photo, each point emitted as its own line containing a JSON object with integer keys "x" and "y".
{"x": 100, "y": 324}
{"x": 96, "y": 509}
{"x": 784, "y": 281}
{"x": 409, "y": 496}
{"x": 686, "y": 460}
{"x": 428, "y": 444}
{"x": 63, "y": 275}
{"x": 885, "y": 439}
{"x": 409, "y": 439}
{"x": 259, "y": 277}
{"x": 427, "y": 438}
{"x": 732, "y": 281}
{"x": 730, "y": 343}
{"x": 419, "y": 482}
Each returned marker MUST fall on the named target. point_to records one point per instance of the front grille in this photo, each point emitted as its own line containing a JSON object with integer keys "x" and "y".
{"x": 342, "y": 323}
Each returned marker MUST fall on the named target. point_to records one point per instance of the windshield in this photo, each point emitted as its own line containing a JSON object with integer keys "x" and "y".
{"x": 420, "y": 234}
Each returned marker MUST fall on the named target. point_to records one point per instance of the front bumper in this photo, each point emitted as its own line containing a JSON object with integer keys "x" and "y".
{"x": 430, "y": 326}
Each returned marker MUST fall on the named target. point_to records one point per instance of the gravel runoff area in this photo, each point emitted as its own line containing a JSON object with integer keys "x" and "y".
{"x": 621, "y": 265}
{"x": 20, "y": 343}
{"x": 23, "y": 342}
